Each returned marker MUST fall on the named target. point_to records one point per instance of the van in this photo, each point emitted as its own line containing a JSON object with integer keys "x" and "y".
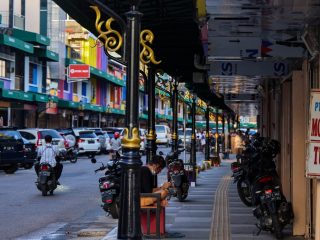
{"x": 163, "y": 133}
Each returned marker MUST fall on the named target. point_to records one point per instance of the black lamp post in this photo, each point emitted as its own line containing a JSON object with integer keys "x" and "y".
{"x": 229, "y": 138}
{"x": 207, "y": 146}
{"x": 151, "y": 136}
{"x": 193, "y": 155}
{"x": 129, "y": 226}
{"x": 217, "y": 148}
{"x": 223, "y": 136}
{"x": 174, "y": 100}
{"x": 129, "y": 218}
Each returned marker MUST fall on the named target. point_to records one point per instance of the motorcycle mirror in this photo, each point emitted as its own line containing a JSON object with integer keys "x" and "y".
{"x": 93, "y": 160}
{"x": 160, "y": 153}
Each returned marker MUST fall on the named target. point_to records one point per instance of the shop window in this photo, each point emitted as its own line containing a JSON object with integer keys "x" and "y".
{"x": 84, "y": 89}
{"x": 32, "y": 74}
{"x": 4, "y": 69}
{"x": 75, "y": 88}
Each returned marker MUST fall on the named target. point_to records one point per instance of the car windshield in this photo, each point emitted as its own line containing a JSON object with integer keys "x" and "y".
{"x": 99, "y": 133}
{"x": 52, "y": 133}
{"x": 160, "y": 129}
{"x": 87, "y": 134}
{"x": 181, "y": 132}
{"x": 9, "y": 135}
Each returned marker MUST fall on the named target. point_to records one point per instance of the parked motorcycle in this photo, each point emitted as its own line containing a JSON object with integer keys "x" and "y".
{"x": 177, "y": 175}
{"x": 109, "y": 185}
{"x": 258, "y": 181}
{"x": 71, "y": 154}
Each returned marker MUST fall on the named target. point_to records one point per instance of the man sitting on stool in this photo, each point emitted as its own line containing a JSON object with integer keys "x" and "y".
{"x": 147, "y": 181}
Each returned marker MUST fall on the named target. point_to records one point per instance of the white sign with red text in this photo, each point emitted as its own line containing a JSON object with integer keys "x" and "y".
{"x": 313, "y": 155}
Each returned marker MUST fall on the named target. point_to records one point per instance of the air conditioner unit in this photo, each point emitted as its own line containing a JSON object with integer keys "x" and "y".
{"x": 311, "y": 43}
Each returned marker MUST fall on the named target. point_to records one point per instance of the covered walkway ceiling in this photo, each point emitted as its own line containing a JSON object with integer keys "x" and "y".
{"x": 240, "y": 43}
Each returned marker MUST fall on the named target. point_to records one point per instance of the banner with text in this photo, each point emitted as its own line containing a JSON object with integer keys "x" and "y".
{"x": 313, "y": 150}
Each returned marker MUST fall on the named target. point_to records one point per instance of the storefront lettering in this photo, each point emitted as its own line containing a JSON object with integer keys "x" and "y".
{"x": 315, "y": 127}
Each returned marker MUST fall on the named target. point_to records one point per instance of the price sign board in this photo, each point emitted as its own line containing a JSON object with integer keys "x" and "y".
{"x": 313, "y": 150}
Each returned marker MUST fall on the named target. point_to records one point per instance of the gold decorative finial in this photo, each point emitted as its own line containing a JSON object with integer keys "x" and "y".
{"x": 174, "y": 136}
{"x": 147, "y": 54}
{"x": 111, "y": 38}
{"x": 151, "y": 135}
{"x": 134, "y": 141}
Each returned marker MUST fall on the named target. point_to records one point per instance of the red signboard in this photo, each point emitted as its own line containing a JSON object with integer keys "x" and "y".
{"x": 79, "y": 71}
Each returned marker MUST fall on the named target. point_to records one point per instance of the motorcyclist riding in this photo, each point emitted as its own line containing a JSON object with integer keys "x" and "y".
{"x": 48, "y": 154}
{"x": 115, "y": 141}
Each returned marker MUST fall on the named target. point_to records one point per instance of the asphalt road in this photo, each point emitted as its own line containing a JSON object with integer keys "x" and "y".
{"x": 24, "y": 211}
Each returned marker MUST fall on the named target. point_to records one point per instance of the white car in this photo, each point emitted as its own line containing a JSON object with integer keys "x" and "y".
{"x": 36, "y": 136}
{"x": 88, "y": 141}
{"x": 163, "y": 134}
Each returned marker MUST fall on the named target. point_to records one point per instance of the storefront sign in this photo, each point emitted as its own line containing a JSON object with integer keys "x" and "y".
{"x": 313, "y": 154}
{"x": 79, "y": 71}
{"x": 51, "y": 108}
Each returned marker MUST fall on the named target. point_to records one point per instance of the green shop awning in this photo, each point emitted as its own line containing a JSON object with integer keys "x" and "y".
{"x": 35, "y": 38}
{"x": 162, "y": 116}
{"x": 99, "y": 73}
{"x": 19, "y": 95}
{"x": 47, "y": 54}
{"x": 143, "y": 116}
{"x": 91, "y": 107}
{"x": 16, "y": 43}
{"x": 38, "y": 97}
{"x": 68, "y": 104}
{"x": 117, "y": 111}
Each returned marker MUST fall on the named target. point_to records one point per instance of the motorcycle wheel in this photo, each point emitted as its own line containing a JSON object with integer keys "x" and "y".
{"x": 114, "y": 210}
{"x": 181, "y": 195}
{"x": 44, "y": 190}
{"x": 74, "y": 160}
{"x": 277, "y": 230}
{"x": 244, "y": 193}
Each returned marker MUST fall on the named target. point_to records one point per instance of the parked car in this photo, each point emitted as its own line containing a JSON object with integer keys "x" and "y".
{"x": 163, "y": 133}
{"x": 88, "y": 141}
{"x": 69, "y": 136}
{"x": 36, "y": 136}
{"x": 12, "y": 152}
{"x": 104, "y": 144}
{"x": 185, "y": 137}
{"x": 30, "y": 151}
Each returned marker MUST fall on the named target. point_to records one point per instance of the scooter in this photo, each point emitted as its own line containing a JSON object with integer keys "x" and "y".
{"x": 177, "y": 175}
{"x": 109, "y": 185}
{"x": 47, "y": 179}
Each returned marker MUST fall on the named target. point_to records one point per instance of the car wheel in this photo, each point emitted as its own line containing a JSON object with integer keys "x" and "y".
{"x": 28, "y": 166}
{"x": 11, "y": 169}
